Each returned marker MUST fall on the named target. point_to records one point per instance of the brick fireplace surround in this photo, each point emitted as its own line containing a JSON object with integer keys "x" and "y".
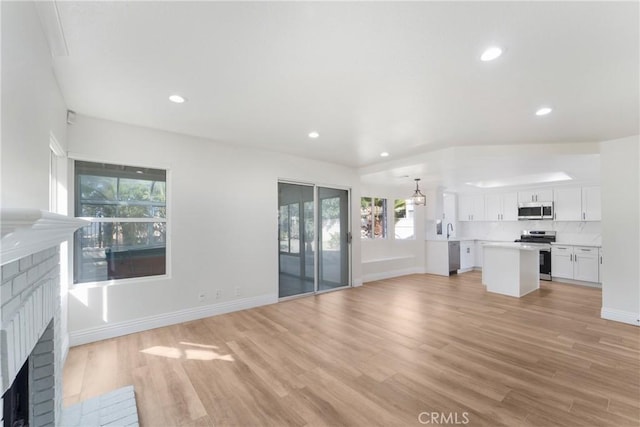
{"x": 30, "y": 309}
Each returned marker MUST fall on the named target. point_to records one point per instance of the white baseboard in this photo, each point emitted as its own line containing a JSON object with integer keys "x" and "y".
{"x": 577, "y": 282}
{"x": 357, "y": 282}
{"x": 389, "y": 274}
{"x": 118, "y": 329}
{"x": 620, "y": 316}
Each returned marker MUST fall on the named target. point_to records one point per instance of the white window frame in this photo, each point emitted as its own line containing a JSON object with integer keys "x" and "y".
{"x": 168, "y": 205}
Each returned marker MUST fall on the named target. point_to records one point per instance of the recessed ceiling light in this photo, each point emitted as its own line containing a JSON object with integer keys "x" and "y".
{"x": 314, "y": 135}
{"x": 384, "y": 154}
{"x": 491, "y": 53}
{"x": 543, "y": 111}
{"x": 177, "y": 99}
{"x": 139, "y": 171}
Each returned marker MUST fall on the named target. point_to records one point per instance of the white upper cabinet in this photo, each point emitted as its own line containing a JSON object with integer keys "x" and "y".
{"x": 591, "y": 205}
{"x": 441, "y": 206}
{"x": 493, "y": 205}
{"x": 449, "y": 211}
{"x": 501, "y": 207}
{"x": 510, "y": 207}
{"x": 471, "y": 207}
{"x": 432, "y": 206}
{"x": 536, "y": 195}
{"x": 567, "y": 204}
{"x": 577, "y": 203}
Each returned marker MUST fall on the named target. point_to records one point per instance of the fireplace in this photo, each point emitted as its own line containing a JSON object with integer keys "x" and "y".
{"x": 16, "y": 400}
{"x": 31, "y": 353}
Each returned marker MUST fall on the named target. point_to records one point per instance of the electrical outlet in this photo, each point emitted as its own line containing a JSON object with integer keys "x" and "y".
{"x": 238, "y": 292}
{"x": 201, "y": 296}
{"x": 218, "y": 293}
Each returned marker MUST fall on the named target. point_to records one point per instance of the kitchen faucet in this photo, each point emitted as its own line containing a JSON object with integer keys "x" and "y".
{"x": 448, "y": 234}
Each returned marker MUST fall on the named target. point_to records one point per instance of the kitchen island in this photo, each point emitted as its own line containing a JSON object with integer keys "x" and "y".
{"x": 511, "y": 269}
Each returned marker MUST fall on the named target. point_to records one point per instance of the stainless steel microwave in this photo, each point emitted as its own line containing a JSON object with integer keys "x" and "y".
{"x": 535, "y": 210}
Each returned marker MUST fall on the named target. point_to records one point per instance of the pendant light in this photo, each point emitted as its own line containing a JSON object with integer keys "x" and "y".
{"x": 418, "y": 198}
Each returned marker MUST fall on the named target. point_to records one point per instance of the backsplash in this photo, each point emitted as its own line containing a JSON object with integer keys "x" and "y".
{"x": 570, "y": 232}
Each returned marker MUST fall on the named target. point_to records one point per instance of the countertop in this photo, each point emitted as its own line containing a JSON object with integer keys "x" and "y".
{"x": 490, "y": 241}
{"x": 586, "y": 245}
{"x": 515, "y": 245}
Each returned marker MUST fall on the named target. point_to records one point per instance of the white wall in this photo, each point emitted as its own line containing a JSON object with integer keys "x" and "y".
{"x": 621, "y": 229}
{"x": 32, "y": 108}
{"x": 223, "y": 224}
{"x": 390, "y": 257}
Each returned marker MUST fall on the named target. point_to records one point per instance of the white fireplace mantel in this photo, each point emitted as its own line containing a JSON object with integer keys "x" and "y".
{"x": 28, "y": 231}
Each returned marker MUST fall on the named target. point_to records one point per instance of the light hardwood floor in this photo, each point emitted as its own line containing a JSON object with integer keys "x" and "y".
{"x": 380, "y": 354}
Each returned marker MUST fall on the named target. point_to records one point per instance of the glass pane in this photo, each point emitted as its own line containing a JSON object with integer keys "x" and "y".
{"x": 309, "y": 239}
{"x": 119, "y": 250}
{"x": 380, "y": 218}
{"x": 403, "y": 219}
{"x": 366, "y": 223}
{"x": 134, "y": 190}
{"x": 334, "y": 250}
{"x": 116, "y": 197}
{"x": 159, "y": 191}
{"x": 97, "y": 188}
{"x": 294, "y": 228}
{"x": 296, "y": 261}
{"x": 98, "y": 211}
{"x": 283, "y": 228}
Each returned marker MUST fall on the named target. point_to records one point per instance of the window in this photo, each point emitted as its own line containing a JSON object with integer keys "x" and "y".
{"x": 127, "y": 207}
{"x": 403, "y": 215}
{"x": 373, "y": 218}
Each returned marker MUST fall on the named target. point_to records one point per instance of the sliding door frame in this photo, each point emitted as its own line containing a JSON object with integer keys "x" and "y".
{"x": 316, "y": 238}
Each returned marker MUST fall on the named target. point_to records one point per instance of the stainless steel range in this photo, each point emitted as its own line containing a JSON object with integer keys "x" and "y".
{"x": 544, "y": 239}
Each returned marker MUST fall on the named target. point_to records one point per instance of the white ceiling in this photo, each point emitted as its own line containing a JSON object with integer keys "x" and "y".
{"x": 402, "y": 77}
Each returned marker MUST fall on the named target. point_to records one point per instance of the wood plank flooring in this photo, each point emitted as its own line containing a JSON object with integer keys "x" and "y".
{"x": 381, "y": 354}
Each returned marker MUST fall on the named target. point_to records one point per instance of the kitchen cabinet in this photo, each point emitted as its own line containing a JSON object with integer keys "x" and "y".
{"x": 501, "y": 207}
{"x": 577, "y": 204}
{"x": 478, "y": 253}
{"x": 586, "y": 264}
{"x": 591, "y": 204}
{"x": 467, "y": 259}
{"x": 600, "y": 255}
{"x": 567, "y": 204}
{"x": 442, "y": 257}
{"x": 575, "y": 262}
{"x": 441, "y": 206}
{"x": 449, "y": 211}
{"x": 471, "y": 207}
{"x": 536, "y": 195}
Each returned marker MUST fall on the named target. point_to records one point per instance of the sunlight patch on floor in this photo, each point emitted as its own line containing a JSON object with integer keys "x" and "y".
{"x": 204, "y": 352}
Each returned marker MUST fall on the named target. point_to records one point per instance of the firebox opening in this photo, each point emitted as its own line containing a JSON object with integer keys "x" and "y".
{"x": 16, "y": 400}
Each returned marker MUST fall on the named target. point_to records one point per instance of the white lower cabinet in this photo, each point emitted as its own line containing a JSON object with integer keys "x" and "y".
{"x": 575, "y": 263}
{"x": 467, "y": 259}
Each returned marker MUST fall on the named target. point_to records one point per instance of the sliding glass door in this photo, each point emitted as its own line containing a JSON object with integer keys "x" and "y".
{"x": 333, "y": 238}
{"x": 313, "y": 239}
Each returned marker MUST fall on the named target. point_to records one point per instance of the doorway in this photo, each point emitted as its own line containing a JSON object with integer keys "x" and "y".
{"x": 313, "y": 239}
